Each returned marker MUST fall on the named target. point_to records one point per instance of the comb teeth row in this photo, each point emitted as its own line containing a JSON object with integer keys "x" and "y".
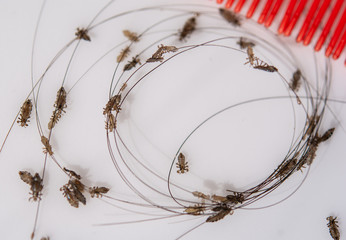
{"x": 315, "y": 14}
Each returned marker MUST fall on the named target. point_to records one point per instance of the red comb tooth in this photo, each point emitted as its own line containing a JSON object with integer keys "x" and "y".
{"x": 316, "y": 22}
{"x": 307, "y": 20}
{"x": 219, "y": 1}
{"x": 329, "y": 25}
{"x": 252, "y": 8}
{"x": 229, "y": 3}
{"x": 265, "y": 11}
{"x": 287, "y": 16}
{"x": 340, "y": 46}
{"x": 239, "y": 6}
{"x": 296, "y": 15}
{"x": 273, "y": 13}
{"x": 336, "y": 34}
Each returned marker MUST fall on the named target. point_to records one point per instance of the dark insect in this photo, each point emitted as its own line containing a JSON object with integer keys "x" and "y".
{"x": 188, "y": 29}
{"x": 72, "y": 174}
{"x": 333, "y": 228}
{"x": 326, "y": 135}
{"x": 60, "y": 105}
{"x": 47, "y": 147}
{"x": 35, "y": 183}
{"x": 295, "y": 82}
{"x": 250, "y": 56}
{"x": 98, "y": 191}
{"x": 287, "y": 168}
{"x": 131, "y": 36}
{"x": 195, "y": 210}
{"x": 25, "y": 112}
{"x": 265, "y": 67}
{"x": 131, "y": 64}
{"x": 158, "y": 55}
{"x": 220, "y": 215}
{"x": 236, "y": 198}
{"x": 230, "y": 17}
{"x": 112, "y": 105}
{"x": 243, "y": 43}
{"x": 182, "y": 164}
{"x": 123, "y": 54}
{"x": 73, "y": 192}
{"x": 71, "y": 198}
{"x": 82, "y": 34}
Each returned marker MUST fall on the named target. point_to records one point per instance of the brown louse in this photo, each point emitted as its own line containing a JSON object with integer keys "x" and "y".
{"x": 220, "y": 215}
{"x": 162, "y": 49}
{"x": 72, "y": 174}
{"x": 244, "y": 43}
{"x": 188, "y": 29}
{"x": 47, "y": 147}
{"x": 82, "y": 33}
{"x": 132, "y": 36}
{"x": 60, "y": 105}
{"x": 295, "y": 82}
{"x": 25, "y": 112}
{"x": 182, "y": 165}
{"x": 98, "y": 191}
{"x": 113, "y": 104}
{"x": 131, "y": 64}
{"x": 333, "y": 227}
{"x": 35, "y": 183}
{"x": 71, "y": 198}
{"x": 123, "y": 54}
{"x": 230, "y": 17}
{"x": 287, "y": 168}
{"x": 195, "y": 210}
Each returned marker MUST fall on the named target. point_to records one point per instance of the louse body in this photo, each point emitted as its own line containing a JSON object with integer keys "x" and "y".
{"x": 326, "y": 135}
{"x": 123, "y": 54}
{"x": 295, "y": 82}
{"x": 182, "y": 164}
{"x": 220, "y": 215}
{"x": 98, "y": 191}
{"x": 250, "y": 56}
{"x": 158, "y": 55}
{"x": 132, "y": 36}
{"x": 266, "y": 67}
{"x": 195, "y": 210}
{"x": 131, "y": 64}
{"x": 47, "y": 147}
{"x": 35, "y": 183}
{"x": 82, "y": 33}
{"x": 333, "y": 228}
{"x": 25, "y": 112}
{"x": 77, "y": 188}
{"x": 230, "y": 17}
{"x": 243, "y": 43}
{"x": 60, "y": 105}
{"x": 188, "y": 29}
{"x": 113, "y": 104}
{"x": 71, "y": 198}
{"x": 72, "y": 174}
{"x": 287, "y": 168}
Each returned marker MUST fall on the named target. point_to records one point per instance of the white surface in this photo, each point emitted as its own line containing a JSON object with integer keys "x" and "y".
{"x": 238, "y": 148}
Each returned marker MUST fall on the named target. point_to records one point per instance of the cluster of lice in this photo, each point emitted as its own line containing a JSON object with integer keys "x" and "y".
{"x": 73, "y": 190}
{"x": 333, "y": 227}
{"x": 162, "y": 49}
{"x": 82, "y": 33}
{"x": 25, "y": 112}
{"x": 182, "y": 165}
{"x": 60, "y": 105}
{"x": 230, "y": 17}
{"x": 112, "y": 105}
{"x": 35, "y": 183}
{"x": 189, "y": 28}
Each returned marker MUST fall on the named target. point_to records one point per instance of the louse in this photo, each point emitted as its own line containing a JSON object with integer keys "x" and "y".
{"x": 98, "y": 191}
{"x": 328, "y": 134}
{"x": 25, "y": 112}
{"x": 45, "y": 238}
{"x": 131, "y": 64}
{"x": 220, "y": 215}
{"x": 35, "y": 183}
{"x": 188, "y": 29}
{"x": 47, "y": 147}
{"x": 162, "y": 49}
{"x": 132, "y": 36}
{"x": 333, "y": 227}
{"x": 71, "y": 198}
{"x": 201, "y": 195}
{"x": 182, "y": 165}
{"x": 244, "y": 43}
{"x": 296, "y": 80}
{"x": 265, "y": 67}
{"x": 72, "y": 174}
{"x": 123, "y": 54}
{"x": 73, "y": 192}
{"x": 250, "y": 56}
{"x": 111, "y": 122}
{"x": 195, "y": 210}
{"x": 230, "y": 17}
{"x": 236, "y": 198}
{"x": 82, "y": 33}
{"x": 60, "y": 105}
{"x": 287, "y": 168}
